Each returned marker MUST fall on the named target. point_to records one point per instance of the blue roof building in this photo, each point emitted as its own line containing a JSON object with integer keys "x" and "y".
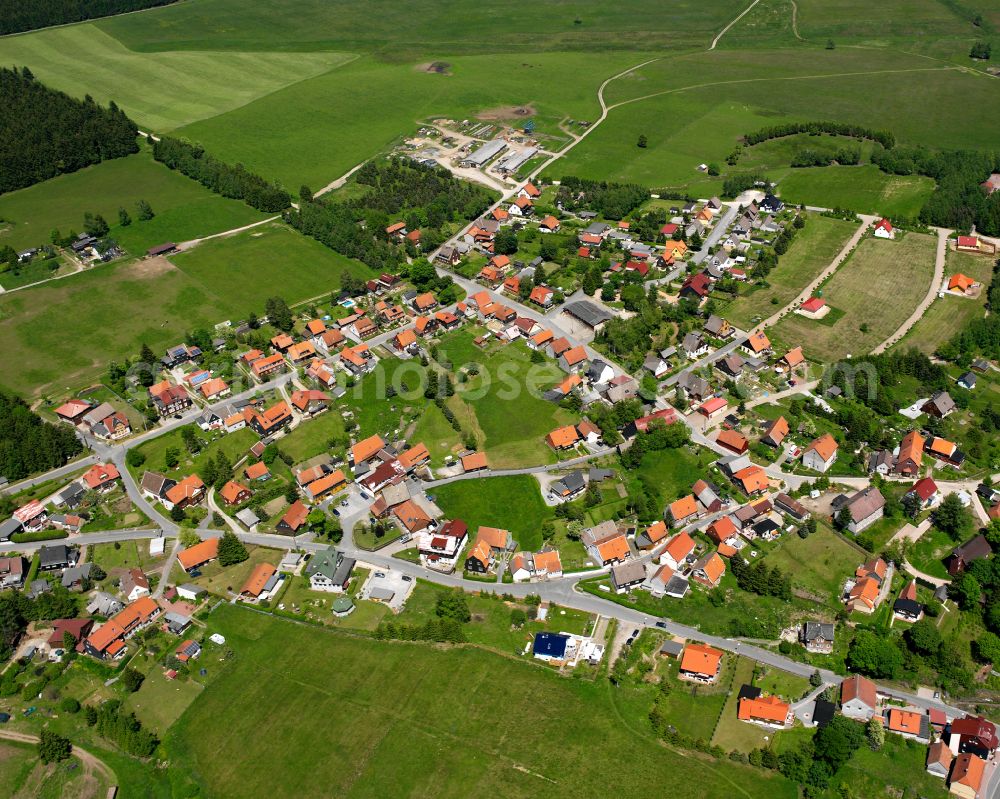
{"x": 550, "y": 646}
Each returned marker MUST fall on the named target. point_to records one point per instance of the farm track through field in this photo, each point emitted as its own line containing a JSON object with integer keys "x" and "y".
{"x": 91, "y": 763}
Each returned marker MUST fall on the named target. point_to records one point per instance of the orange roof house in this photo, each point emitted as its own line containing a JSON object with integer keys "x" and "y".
{"x": 765, "y": 709}
{"x": 752, "y": 479}
{"x": 614, "y": 549}
{"x": 655, "y": 533}
{"x": 966, "y": 777}
{"x": 674, "y": 249}
{"x": 821, "y": 453}
{"x": 254, "y": 586}
{"x": 960, "y": 283}
{"x": 733, "y": 440}
{"x": 199, "y": 554}
{"x": 474, "y": 461}
{"x": 776, "y": 432}
{"x": 549, "y": 223}
{"x": 257, "y": 471}
{"x": 315, "y": 327}
{"x": 757, "y": 343}
{"x": 574, "y": 356}
{"x": 700, "y": 662}
{"x": 677, "y": 549}
{"x": 405, "y": 338}
{"x": 864, "y": 595}
{"x": 563, "y": 437}
{"x": 187, "y": 491}
{"x": 793, "y": 358}
{"x": 415, "y": 456}
{"x": 708, "y": 570}
{"x": 366, "y": 449}
{"x": 684, "y": 508}
{"x": 100, "y": 475}
{"x": 233, "y": 493}
{"x": 905, "y": 722}
{"x": 109, "y": 638}
{"x": 721, "y": 529}
{"x": 301, "y": 351}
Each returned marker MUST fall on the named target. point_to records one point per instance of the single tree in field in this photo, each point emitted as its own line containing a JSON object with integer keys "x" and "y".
{"x": 144, "y": 211}
{"x": 231, "y": 550}
{"x": 53, "y": 747}
{"x": 123, "y": 218}
{"x": 643, "y": 141}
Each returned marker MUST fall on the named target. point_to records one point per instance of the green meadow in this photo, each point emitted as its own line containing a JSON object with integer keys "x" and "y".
{"x": 412, "y": 719}
{"x": 184, "y": 209}
{"x": 63, "y": 333}
{"x": 160, "y": 91}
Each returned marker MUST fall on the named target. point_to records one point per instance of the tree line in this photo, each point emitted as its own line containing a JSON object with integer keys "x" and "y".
{"x": 883, "y": 137}
{"x": 958, "y": 200}
{"x": 423, "y": 197}
{"x": 610, "y": 200}
{"x": 28, "y": 444}
{"x": 229, "y": 180}
{"x": 44, "y": 132}
{"x": 17, "y": 16}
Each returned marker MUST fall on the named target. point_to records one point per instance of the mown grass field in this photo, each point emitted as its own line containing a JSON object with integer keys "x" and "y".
{"x": 877, "y": 287}
{"x": 948, "y": 315}
{"x": 510, "y": 503}
{"x": 412, "y": 719}
{"x": 160, "y": 91}
{"x": 814, "y": 248}
{"x": 184, "y": 209}
{"x": 865, "y": 189}
{"x": 462, "y": 27}
{"x": 63, "y": 333}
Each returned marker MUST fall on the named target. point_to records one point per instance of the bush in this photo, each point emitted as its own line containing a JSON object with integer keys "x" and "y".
{"x": 69, "y": 705}
{"x": 132, "y": 679}
{"x": 53, "y": 747}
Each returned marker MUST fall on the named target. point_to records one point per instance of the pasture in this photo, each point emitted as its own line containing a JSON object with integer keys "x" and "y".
{"x": 511, "y": 503}
{"x": 184, "y": 209}
{"x": 865, "y": 189}
{"x": 64, "y": 332}
{"x": 397, "y": 717}
{"x": 877, "y": 287}
{"x": 949, "y": 314}
{"x": 160, "y": 91}
{"x": 815, "y": 246}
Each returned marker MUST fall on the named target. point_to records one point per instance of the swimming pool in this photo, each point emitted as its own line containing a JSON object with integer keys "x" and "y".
{"x": 348, "y": 303}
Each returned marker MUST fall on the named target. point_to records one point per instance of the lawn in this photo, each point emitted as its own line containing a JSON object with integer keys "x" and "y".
{"x": 693, "y": 708}
{"x": 221, "y": 580}
{"x": 669, "y": 474}
{"x": 23, "y": 775}
{"x": 865, "y": 189}
{"x": 399, "y": 718}
{"x": 877, "y": 287}
{"x": 511, "y": 503}
{"x": 894, "y": 771}
{"x": 235, "y": 446}
{"x": 815, "y": 246}
{"x": 186, "y": 86}
{"x": 125, "y": 555}
{"x": 160, "y": 702}
{"x": 65, "y": 332}
{"x": 928, "y": 552}
{"x": 711, "y": 99}
{"x": 731, "y": 733}
{"x": 506, "y": 397}
{"x": 949, "y": 315}
{"x": 818, "y": 564}
{"x": 184, "y": 209}
{"x": 313, "y": 436}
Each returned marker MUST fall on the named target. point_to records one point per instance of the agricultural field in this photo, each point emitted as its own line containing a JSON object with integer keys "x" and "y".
{"x": 65, "y": 332}
{"x": 865, "y": 189}
{"x": 949, "y": 314}
{"x": 83, "y": 59}
{"x": 811, "y": 252}
{"x": 184, "y": 209}
{"x": 512, "y": 503}
{"x": 876, "y": 288}
{"x": 398, "y": 719}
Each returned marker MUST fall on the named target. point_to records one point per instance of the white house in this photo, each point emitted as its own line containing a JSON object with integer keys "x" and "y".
{"x": 884, "y": 229}
{"x": 821, "y": 454}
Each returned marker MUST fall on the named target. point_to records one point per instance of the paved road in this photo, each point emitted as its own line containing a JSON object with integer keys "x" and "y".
{"x": 937, "y": 283}
{"x": 549, "y": 467}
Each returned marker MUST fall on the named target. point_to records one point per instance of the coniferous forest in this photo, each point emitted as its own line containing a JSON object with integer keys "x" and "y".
{"x": 17, "y": 15}
{"x": 28, "y": 444}
{"x": 44, "y": 132}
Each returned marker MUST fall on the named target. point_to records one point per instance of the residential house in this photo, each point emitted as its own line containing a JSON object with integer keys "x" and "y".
{"x": 700, "y": 663}
{"x": 906, "y": 607}
{"x": 817, "y": 636}
{"x": 270, "y": 365}
{"x": 708, "y": 570}
{"x": 234, "y": 493}
{"x": 108, "y": 640}
{"x": 939, "y": 759}
{"x": 973, "y": 735}
{"x": 757, "y": 344}
{"x": 911, "y": 455}
{"x": 908, "y": 724}
{"x": 101, "y": 477}
{"x": 329, "y": 570}
{"x": 733, "y": 440}
{"x": 775, "y": 432}
{"x": 606, "y": 544}
{"x": 966, "y": 778}
{"x": 261, "y": 583}
{"x": 718, "y": 327}
{"x": 858, "y": 698}
{"x": 294, "y": 518}
{"x": 677, "y": 551}
{"x": 865, "y": 508}
{"x": 821, "y": 453}
{"x": 940, "y": 405}
{"x": 12, "y": 572}
{"x": 562, "y": 438}
{"x": 694, "y": 345}
{"x": 310, "y": 401}
{"x": 625, "y": 576}
{"x": 133, "y": 585}
{"x": 573, "y": 359}
{"x": 189, "y": 491}
{"x": 972, "y": 550}
{"x": 884, "y": 229}
{"x": 768, "y": 711}
{"x": 683, "y": 510}
{"x": 198, "y": 555}
{"x": 926, "y": 491}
